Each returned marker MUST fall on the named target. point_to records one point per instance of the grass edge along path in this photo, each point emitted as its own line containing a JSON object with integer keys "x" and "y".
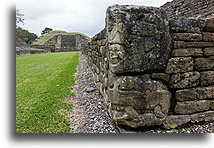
{"x": 43, "y": 82}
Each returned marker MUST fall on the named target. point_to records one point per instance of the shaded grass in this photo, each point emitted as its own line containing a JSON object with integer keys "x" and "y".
{"x": 42, "y": 83}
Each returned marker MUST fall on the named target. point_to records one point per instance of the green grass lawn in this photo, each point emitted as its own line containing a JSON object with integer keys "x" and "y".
{"x": 42, "y": 84}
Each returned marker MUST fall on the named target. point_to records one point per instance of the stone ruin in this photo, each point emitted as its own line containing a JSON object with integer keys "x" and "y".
{"x": 189, "y": 8}
{"x": 64, "y": 43}
{"x": 59, "y": 43}
{"x": 154, "y": 71}
{"x": 22, "y": 48}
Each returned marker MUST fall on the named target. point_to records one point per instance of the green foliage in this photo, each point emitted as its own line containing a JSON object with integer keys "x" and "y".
{"x": 42, "y": 84}
{"x": 173, "y": 128}
{"x": 46, "y": 30}
{"x": 31, "y": 37}
{"x": 25, "y": 35}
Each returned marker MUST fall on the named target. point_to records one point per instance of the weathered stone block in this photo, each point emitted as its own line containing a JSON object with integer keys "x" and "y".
{"x": 190, "y": 107}
{"x": 207, "y": 78}
{"x": 205, "y": 92}
{"x": 207, "y": 36}
{"x": 209, "y": 51}
{"x": 143, "y": 95}
{"x": 199, "y": 44}
{"x": 209, "y": 25}
{"x": 204, "y": 63}
{"x": 187, "y": 36}
{"x": 212, "y": 104}
{"x": 179, "y": 64}
{"x": 186, "y": 94}
{"x": 184, "y": 80}
{"x": 129, "y": 117}
{"x": 205, "y": 116}
{"x": 161, "y": 76}
{"x": 186, "y": 25}
{"x": 175, "y": 121}
{"x": 137, "y": 33}
{"x": 194, "y": 44}
{"x": 184, "y": 52}
{"x": 179, "y": 44}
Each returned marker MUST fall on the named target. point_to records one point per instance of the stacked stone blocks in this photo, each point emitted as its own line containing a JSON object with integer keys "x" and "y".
{"x": 191, "y": 71}
{"x": 151, "y": 70}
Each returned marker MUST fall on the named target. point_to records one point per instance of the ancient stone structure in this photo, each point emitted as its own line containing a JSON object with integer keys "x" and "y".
{"x": 190, "y": 8}
{"x": 20, "y": 51}
{"x": 63, "y": 43}
{"x": 154, "y": 71}
{"x": 20, "y": 43}
{"x": 22, "y": 48}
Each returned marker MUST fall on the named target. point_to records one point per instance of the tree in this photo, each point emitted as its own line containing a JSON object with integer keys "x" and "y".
{"x": 19, "y": 18}
{"x": 25, "y": 35}
{"x": 46, "y": 30}
{"x": 31, "y": 37}
{"x": 21, "y": 33}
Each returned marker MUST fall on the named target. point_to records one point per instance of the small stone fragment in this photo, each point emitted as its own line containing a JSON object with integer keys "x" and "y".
{"x": 175, "y": 121}
{"x": 89, "y": 89}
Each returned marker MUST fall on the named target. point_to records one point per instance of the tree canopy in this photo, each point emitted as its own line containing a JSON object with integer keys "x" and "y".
{"x": 46, "y": 30}
{"x": 21, "y": 33}
{"x": 25, "y": 35}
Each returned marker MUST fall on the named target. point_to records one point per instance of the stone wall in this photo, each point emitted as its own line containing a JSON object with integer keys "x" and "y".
{"x": 64, "y": 43}
{"x": 153, "y": 71}
{"x": 48, "y": 48}
{"x": 20, "y": 51}
{"x": 191, "y": 71}
{"x": 190, "y": 8}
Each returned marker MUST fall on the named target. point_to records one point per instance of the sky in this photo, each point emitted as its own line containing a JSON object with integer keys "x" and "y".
{"x": 85, "y": 16}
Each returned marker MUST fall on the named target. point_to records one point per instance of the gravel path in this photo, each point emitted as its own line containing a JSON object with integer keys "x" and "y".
{"x": 90, "y": 115}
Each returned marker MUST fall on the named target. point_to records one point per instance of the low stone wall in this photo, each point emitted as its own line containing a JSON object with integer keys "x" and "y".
{"x": 27, "y": 51}
{"x": 153, "y": 71}
{"x": 45, "y": 47}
